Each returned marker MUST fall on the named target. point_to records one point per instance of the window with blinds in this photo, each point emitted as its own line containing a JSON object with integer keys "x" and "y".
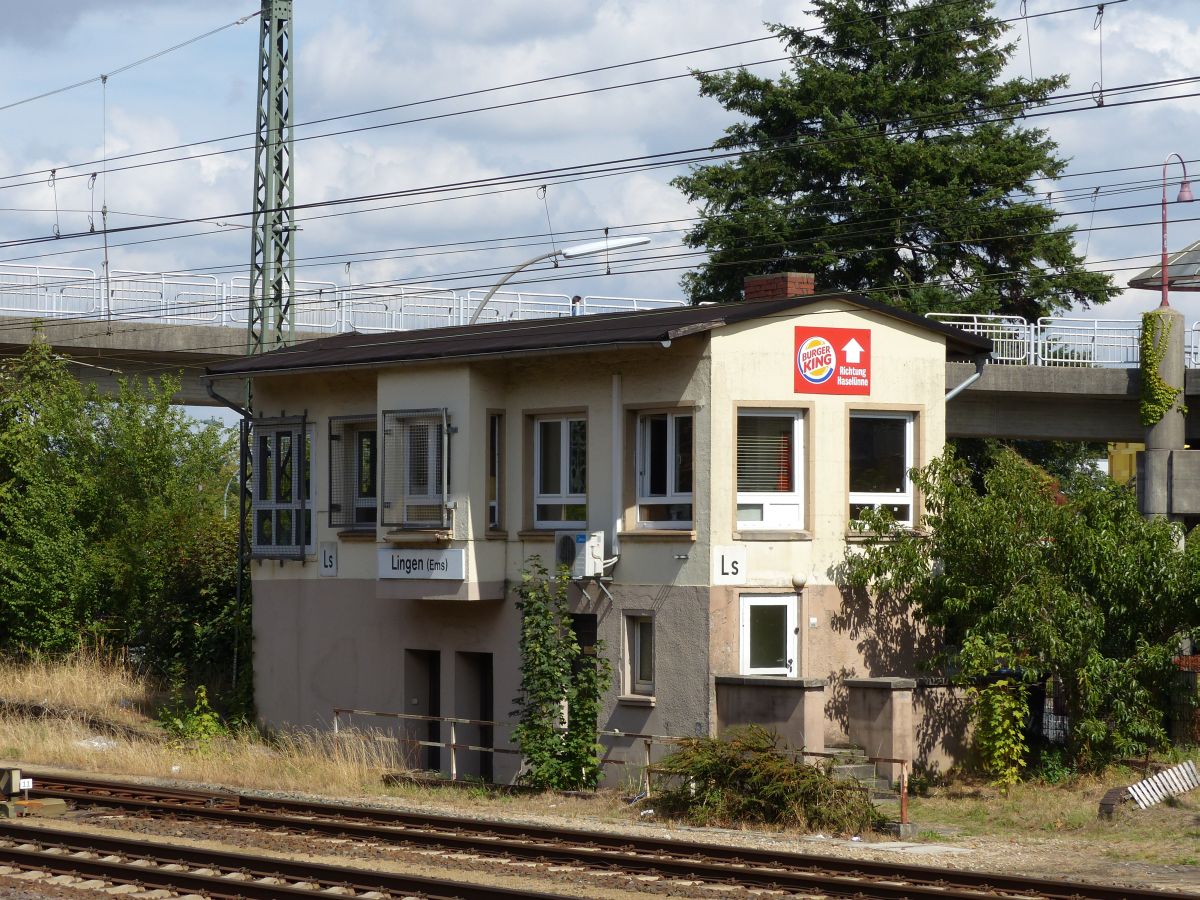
{"x": 353, "y": 472}
{"x": 415, "y": 468}
{"x": 769, "y": 469}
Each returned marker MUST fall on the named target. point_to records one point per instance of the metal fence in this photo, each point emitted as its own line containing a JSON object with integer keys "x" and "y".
{"x": 455, "y": 736}
{"x": 187, "y": 298}
{"x": 1063, "y": 341}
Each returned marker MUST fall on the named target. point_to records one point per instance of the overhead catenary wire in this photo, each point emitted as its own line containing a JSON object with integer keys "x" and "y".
{"x": 127, "y": 66}
{"x": 387, "y": 289}
{"x": 622, "y": 165}
{"x": 494, "y": 107}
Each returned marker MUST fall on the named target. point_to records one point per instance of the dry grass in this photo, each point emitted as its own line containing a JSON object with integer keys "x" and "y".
{"x": 88, "y": 688}
{"x": 1167, "y": 833}
{"x": 303, "y": 761}
{"x": 86, "y": 682}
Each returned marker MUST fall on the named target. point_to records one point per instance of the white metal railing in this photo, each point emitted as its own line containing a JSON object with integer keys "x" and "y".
{"x": 1061, "y": 341}
{"x": 188, "y": 298}
{"x": 1011, "y": 336}
{"x": 1110, "y": 343}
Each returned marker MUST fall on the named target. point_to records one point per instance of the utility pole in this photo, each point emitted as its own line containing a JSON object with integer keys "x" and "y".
{"x": 272, "y": 232}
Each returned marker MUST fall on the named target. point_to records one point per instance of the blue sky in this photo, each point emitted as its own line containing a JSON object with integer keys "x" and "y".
{"x": 363, "y": 54}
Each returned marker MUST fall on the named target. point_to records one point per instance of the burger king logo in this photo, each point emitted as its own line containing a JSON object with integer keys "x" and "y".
{"x": 816, "y": 360}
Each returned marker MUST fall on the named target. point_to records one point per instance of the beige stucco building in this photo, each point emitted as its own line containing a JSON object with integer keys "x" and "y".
{"x": 720, "y": 452}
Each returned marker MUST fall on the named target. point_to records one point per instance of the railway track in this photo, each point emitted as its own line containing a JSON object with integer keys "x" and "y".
{"x": 748, "y": 867}
{"x": 100, "y": 862}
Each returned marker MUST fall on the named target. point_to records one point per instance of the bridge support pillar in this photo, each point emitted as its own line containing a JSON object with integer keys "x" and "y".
{"x": 1167, "y": 436}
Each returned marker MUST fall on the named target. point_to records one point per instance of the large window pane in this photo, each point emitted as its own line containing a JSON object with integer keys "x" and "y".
{"x": 656, "y": 456}
{"x": 365, "y": 464}
{"x": 878, "y": 454}
{"x": 683, "y": 454}
{"x": 768, "y": 636}
{"x": 550, "y": 456}
{"x": 765, "y": 454}
{"x": 645, "y": 650}
{"x": 577, "y": 457}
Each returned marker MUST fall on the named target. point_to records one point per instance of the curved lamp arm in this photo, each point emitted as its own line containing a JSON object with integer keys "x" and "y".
{"x": 503, "y": 281}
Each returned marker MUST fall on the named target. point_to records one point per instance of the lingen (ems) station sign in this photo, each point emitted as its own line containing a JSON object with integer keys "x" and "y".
{"x": 832, "y": 360}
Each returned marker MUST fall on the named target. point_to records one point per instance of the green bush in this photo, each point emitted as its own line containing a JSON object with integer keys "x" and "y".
{"x": 744, "y": 777}
{"x": 193, "y": 725}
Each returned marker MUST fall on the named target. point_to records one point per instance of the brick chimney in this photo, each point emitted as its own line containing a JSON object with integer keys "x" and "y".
{"x": 778, "y": 286}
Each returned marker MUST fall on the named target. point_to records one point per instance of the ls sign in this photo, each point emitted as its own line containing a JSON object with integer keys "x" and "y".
{"x": 832, "y": 360}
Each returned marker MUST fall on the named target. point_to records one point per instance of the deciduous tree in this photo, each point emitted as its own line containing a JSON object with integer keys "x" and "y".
{"x": 1032, "y": 578}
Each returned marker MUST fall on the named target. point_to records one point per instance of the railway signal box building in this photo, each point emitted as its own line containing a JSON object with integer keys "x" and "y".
{"x": 700, "y": 468}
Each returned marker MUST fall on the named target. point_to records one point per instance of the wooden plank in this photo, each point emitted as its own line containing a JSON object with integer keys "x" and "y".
{"x": 1133, "y": 795}
{"x": 1191, "y": 769}
{"x": 1177, "y": 779}
{"x": 1139, "y": 796}
{"x": 1174, "y": 785}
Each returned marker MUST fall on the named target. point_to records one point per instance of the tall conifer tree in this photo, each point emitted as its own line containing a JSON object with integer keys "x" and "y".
{"x": 891, "y": 158}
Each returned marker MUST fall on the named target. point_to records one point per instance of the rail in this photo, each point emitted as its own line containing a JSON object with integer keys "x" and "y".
{"x": 1054, "y": 341}
{"x": 323, "y": 307}
{"x": 648, "y": 742}
{"x": 187, "y": 298}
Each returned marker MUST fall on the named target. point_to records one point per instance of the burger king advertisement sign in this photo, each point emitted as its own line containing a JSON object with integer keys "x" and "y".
{"x": 833, "y": 361}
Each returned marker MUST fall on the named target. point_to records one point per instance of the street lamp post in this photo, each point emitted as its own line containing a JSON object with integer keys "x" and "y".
{"x": 1185, "y": 196}
{"x": 592, "y": 249}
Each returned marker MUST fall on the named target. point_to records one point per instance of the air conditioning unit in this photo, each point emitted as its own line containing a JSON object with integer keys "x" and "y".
{"x": 581, "y": 552}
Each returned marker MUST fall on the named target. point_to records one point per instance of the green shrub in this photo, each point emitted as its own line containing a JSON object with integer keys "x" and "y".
{"x": 193, "y": 725}
{"x": 743, "y": 777}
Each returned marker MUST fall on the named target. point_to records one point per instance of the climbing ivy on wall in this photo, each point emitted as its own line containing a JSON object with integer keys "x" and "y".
{"x": 561, "y": 686}
{"x": 1157, "y": 396}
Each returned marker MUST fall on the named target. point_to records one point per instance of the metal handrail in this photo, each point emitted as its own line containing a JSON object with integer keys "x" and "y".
{"x": 648, "y": 742}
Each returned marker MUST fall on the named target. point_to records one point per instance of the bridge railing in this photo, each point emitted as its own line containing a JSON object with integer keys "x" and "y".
{"x": 49, "y": 291}
{"x": 1060, "y": 340}
{"x": 1011, "y": 336}
{"x": 1108, "y": 343}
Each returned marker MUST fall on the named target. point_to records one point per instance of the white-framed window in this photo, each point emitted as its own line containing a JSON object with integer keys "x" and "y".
{"x": 639, "y": 644}
{"x": 770, "y": 470}
{"x": 495, "y": 469}
{"x": 415, "y": 472}
{"x": 664, "y": 470}
{"x": 560, "y": 472}
{"x": 768, "y": 634}
{"x": 353, "y": 472}
{"x": 881, "y": 455}
{"x": 282, "y": 489}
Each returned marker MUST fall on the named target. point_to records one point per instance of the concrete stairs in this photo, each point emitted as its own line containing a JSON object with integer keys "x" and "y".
{"x": 850, "y": 764}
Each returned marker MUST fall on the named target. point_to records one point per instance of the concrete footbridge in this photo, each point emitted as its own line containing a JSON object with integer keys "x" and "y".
{"x": 1056, "y": 378}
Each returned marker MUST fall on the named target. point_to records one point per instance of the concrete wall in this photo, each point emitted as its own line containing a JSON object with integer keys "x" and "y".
{"x": 794, "y": 708}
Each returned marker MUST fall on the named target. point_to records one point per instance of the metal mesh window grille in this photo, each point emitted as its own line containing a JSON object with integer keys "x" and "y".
{"x": 353, "y": 471}
{"x": 415, "y": 468}
{"x": 281, "y": 487}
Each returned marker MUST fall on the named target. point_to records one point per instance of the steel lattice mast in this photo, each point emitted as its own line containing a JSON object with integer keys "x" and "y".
{"x": 272, "y": 234}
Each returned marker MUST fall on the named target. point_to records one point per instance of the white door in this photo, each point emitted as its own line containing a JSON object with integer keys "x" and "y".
{"x": 768, "y": 634}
